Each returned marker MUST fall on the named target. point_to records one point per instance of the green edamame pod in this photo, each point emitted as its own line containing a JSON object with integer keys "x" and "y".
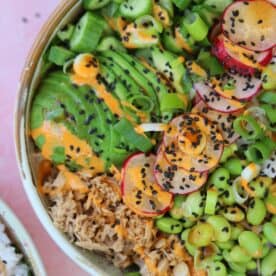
{"x": 94, "y": 4}
{"x": 239, "y": 255}
{"x": 234, "y": 214}
{"x": 194, "y": 205}
{"x": 176, "y": 211}
{"x": 251, "y": 243}
{"x": 268, "y": 264}
{"x": 234, "y": 166}
{"x": 222, "y": 228}
{"x": 220, "y": 177}
{"x": 169, "y": 225}
{"x": 217, "y": 269}
{"x": 60, "y": 55}
{"x": 87, "y": 33}
{"x": 269, "y": 230}
{"x": 256, "y": 212}
{"x": 201, "y": 234}
{"x": 184, "y": 237}
{"x": 225, "y": 245}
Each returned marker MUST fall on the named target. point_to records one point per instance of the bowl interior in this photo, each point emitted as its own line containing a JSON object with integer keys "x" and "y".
{"x": 66, "y": 12}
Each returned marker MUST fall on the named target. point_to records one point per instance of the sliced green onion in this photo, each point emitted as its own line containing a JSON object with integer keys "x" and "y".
{"x": 94, "y": 4}
{"x": 67, "y": 66}
{"x": 247, "y": 127}
{"x": 66, "y": 33}
{"x": 196, "y": 27}
{"x": 133, "y": 9}
{"x": 125, "y": 129}
{"x": 228, "y": 152}
{"x": 182, "y": 4}
{"x": 150, "y": 23}
{"x": 142, "y": 103}
{"x": 110, "y": 43}
{"x": 239, "y": 193}
{"x": 60, "y": 55}
{"x": 258, "y": 152}
{"x": 270, "y": 112}
{"x": 211, "y": 201}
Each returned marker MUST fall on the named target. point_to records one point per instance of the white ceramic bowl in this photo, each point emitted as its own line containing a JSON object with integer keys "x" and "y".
{"x": 22, "y": 239}
{"x": 66, "y": 12}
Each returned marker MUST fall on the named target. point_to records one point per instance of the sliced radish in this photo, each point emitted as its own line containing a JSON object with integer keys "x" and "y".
{"x": 244, "y": 86}
{"x": 224, "y": 121}
{"x": 193, "y": 143}
{"x": 174, "y": 179}
{"x": 216, "y": 101}
{"x": 214, "y": 31}
{"x": 250, "y": 24}
{"x": 140, "y": 191}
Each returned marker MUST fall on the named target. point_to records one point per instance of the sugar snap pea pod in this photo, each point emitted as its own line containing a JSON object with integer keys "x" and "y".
{"x": 256, "y": 211}
{"x": 194, "y": 205}
{"x": 247, "y": 127}
{"x": 236, "y": 231}
{"x": 251, "y": 243}
{"x": 260, "y": 186}
{"x": 220, "y": 177}
{"x": 234, "y": 166}
{"x": 222, "y": 228}
{"x": 184, "y": 237}
{"x": 227, "y": 196}
{"x": 201, "y": 234}
{"x": 239, "y": 255}
{"x": 225, "y": 245}
{"x": 228, "y": 152}
{"x": 211, "y": 201}
{"x": 169, "y": 225}
{"x": 217, "y": 269}
{"x": 251, "y": 265}
{"x": 176, "y": 211}
{"x": 268, "y": 264}
{"x": 269, "y": 230}
{"x": 234, "y": 214}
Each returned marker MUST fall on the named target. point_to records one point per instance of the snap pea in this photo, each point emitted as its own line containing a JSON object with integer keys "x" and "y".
{"x": 220, "y": 177}
{"x": 268, "y": 264}
{"x": 228, "y": 197}
{"x": 256, "y": 211}
{"x": 201, "y": 234}
{"x": 251, "y": 243}
{"x": 194, "y": 205}
{"x": 184, "y": 237}
{"x": 177, "y": 211}
{"x": 169, "y": 225}
{"x": 225, "y": 245}
{"x": 234, "y": 166}
{"x": 259, "y": 186}
{"x": 239, "y": 255}
{"x": 236, "y": 231}
{"x": 251, "y": 265}
{"x": 234, "y": 214}
{"x": 217, "y": 269}
{"x": 222, "y": 228}
{"x": 269, "y": 230}
{"x": 228, "y": 152}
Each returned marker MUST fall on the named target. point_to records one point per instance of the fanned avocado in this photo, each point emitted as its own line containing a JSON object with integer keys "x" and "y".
{"x": 82, "y": 113}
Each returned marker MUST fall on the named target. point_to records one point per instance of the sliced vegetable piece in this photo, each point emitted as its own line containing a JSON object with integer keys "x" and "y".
{"x": 176, "y": 180}
{"x": 133, "y": 9}
{"x": 216, "y": 101}
{"x": 140, "y": 191}
{"x": 110, "y": 43}
{"x": 60, "y": 55}
{"x": 94, "y": 4}
{"x": 251, "y": 24}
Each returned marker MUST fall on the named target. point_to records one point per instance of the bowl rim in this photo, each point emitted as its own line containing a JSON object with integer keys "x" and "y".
{"x": 20, "y": 141}
{"x": 24, "y": 240}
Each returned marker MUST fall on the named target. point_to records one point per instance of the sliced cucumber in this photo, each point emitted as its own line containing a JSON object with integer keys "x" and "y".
{"x": 94, "y": 4}
{"x": 133, "y": 9}
{"x": 87, "y": 33}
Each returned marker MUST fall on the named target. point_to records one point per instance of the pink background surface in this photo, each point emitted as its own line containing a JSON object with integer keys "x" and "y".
{"x": 20, "y": 21}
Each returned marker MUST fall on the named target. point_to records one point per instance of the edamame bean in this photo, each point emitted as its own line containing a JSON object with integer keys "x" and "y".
{"x": 238, "y": 267}
{"x": 184, "y": 237}
{"x": 270, "y": 203}
{"x": 177, "y": 210}
{"x": 187, "y": 223}
{"x": 256, "y": 211}
{"x": 225, "y": 245}
{"x": 266, "y": 246}
{"x": 194, "y": 205}
{"x": 228, "y": 197}
{"x": 251, "y": 243}
{"x": 236, "y": 231}
{"x": 234, "y": 166}
{"x": 258, "y": 187}
{"x": 228, "y": 152}
{"x": 211, "y": 201}
{"x": 269, "y": 230}
{"x": 268, "y": 263}
{"x": 251, "y": 265}
{"x": 201, "y": 234}
{"x": 239, "y": 255}
{"x": 234, "y": 214}
{"x": 220, "y": 177}
{"x": 218, "y": 257}
{"x": 217, "y": 269}
{"x": 222, "y": 228}
{"x": 169, "y": 225}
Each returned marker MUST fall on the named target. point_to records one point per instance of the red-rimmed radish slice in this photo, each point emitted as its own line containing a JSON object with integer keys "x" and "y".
{"x": 241, "y": 87}
{"x": 250, "y": 24}
{"x": 224, "y": 121}
{"x": 214, "y": 31}
{"x": 193, "y": 143}
{"x": 216, "y": 101}
{"x": 175, "y": 179}
{"x": 140, "y": 191}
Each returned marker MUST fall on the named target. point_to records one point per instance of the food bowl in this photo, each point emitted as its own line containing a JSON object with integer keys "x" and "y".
{"x": 90, "y": 262}
{"x": 21, "y": 239}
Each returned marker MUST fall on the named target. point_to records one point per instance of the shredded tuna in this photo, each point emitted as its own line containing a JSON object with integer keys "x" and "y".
{"x": 98, "y": 220}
